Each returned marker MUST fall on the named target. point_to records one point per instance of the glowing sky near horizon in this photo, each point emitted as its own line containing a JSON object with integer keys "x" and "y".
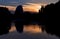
{"x": 31, "y": 5}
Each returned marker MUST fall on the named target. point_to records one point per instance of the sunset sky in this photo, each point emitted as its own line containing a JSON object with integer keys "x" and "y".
{"x": 32, "y": 7}
{"x": 17, "y": 2}
{"x": 28, "y": 5}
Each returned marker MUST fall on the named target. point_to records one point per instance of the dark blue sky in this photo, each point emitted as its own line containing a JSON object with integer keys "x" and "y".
{"x": 17, "y": 2}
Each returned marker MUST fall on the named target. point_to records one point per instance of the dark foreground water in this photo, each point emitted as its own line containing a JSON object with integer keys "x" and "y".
{"x": 27, "y": 35}
{"x": 29, "y": 32}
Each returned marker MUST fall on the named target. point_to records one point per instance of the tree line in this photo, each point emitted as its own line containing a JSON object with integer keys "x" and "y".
{"x": 47, "y": 16}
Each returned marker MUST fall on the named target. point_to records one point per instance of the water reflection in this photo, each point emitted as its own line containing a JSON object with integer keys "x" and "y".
{"x": 32, "y": 28}
{"x": 28, "y": 28}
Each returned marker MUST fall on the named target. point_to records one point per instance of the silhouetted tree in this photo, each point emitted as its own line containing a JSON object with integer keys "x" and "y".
{"x": 48, "y": 12}
{"x": 27, "y": 16}
{"x": 51, "y": 18}
{"x": 42, "y": 16}
{"x": 19, "y": 18}
{"x": 5, "y": 20}
{"x": 31, "y": 17}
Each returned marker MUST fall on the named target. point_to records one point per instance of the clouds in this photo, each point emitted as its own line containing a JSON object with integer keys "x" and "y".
{"x": 18, "y": 2}
{"x": 9, "y": 2}
{"x": 32, "y": 7}
{"x": 45, "y": 1}
{"x": 38, "y": 1}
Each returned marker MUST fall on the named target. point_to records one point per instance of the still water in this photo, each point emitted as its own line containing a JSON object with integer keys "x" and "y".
{"x": 28, "y": 28}
{"x": 29, "y": 32}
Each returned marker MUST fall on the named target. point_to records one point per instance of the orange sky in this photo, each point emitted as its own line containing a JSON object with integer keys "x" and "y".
{"x": 33, "y": 7}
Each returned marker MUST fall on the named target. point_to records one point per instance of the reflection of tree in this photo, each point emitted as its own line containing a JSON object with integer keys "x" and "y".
{"x": 51, "y": 18}
{"x": 5, "y": 20}
{"x": 19, "y": 18}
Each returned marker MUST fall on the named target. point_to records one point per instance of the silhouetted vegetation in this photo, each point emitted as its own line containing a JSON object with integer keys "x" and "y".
{"x": 29, "y": 17}
{"x": 5, "y": 20}
{"x": 19, "y": 18}
{"x": 51, "y": 18}
{"x": 25, "y": 18}
{"x": 32, "y": 18}
{"x": 48, "y": 16}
